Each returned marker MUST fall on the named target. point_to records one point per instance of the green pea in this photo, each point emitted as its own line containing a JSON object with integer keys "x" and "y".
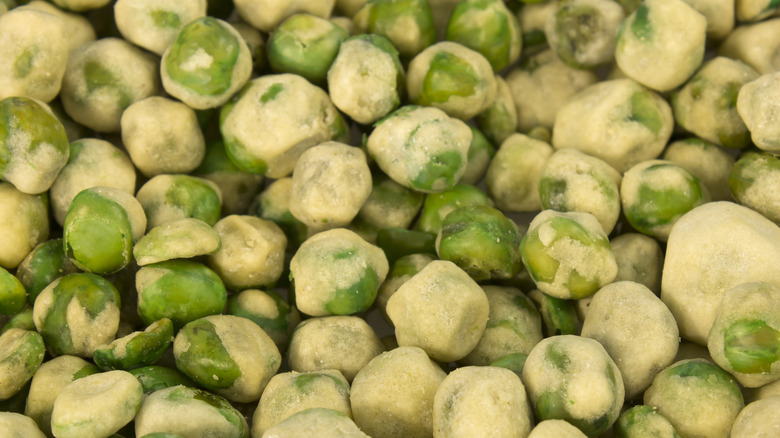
{"x": 390, "y": 205}
{"x": 22, "y": 319}
{"x": 400, "y": 242}
{"x": 166, "y": 198}
{"x": 583, "y": 33}
{"x": 438, "y": 205}
{"x": 155, "y": 377}
{"x": 488, "y": 27}
{"x": 397, "y": 20}
{"x": 559, "y": 317}
{"x": 44, "y": 264}
{"x": 238, "y": 188}
{"x": 306, "y": 45}
{"x": 179, "y": 290}
{"x": 481, "y": 151}
{"x": 136, "y": 349}
{"x": 273, "y": 204}
{"x": 481, "y": 241}
{"x": 268, "y": 310}
{"x": 513, "y": 362}
{"x": 751, "y": 346}
{"x": 180, "y": 239}
{"x": 206, "y": 360}
{"x": 643, "y": 420}
{"x": 751, "y": 180}
{"x": 13, "y": 295}
{"x": 21, "y": 354}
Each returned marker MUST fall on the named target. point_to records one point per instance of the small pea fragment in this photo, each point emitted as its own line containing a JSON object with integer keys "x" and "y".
{"x": 229, "y": 355}
{"x": 400, "y": 242}
{"x": 640, "y": 259}
{"x": 180, "y": 239}
{"x": 583, "y": 33}
{"x": 320, "y": 422}
{"x": 137, "y": 349}
{"x": 167, "y": 198}
{"x": 752, "y": 181}
{"x": 153, "y": 24}
{"x": 206, "y": 64}
{"x": 13, "y": 295}
{"x": 179, "y": 290}
{"x": 21, "y": 354}
{"x": 512, "y": 177}
{"x": 408, "y": 24}
{"x": 268, "y": 310}
{"x": 488, "y": 27}
{"x": 96, "y": 405}
{"x": 156, "y": 377}
{"x": 707, "y": 161}
{"x": 438, "y": 205}
{"x": 643, "y": 420}
{"x": 306, "y": 45}
{"x": 700, "y": 383}
{"x": 559, "y": 317}
{"x": 101, "y": 227}
{"x": 568, "y": 254}
{"x": 481, "y": 241}
{"x": 656, "y": 193}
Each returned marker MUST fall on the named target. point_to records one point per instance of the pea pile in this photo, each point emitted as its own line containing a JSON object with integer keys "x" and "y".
{"x": 389, "y": 218}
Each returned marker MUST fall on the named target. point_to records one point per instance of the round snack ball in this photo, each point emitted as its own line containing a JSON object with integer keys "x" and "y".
{"x": 34, "y": 46}
{"x": 78, "y": 28}
{"x": 408, "y": 24}
{"x": 331, "y": 181}
{"x": 80, "y": 5}
{"x": 555, "y": 429}
{"x": 228, "y": 355}
{"x": 639, "y": 259}
{"x": 44, "y": 264}
{"x": 472, "y": 400}
{"x": 421, "y": 148}
{"x": 488, "y": 27}
{"x": 637, "y": 330}
{"x": 268, "y": 310}
{"x": 319, "y": 422}
{"x": 153, "y": 24}
{"x": 13, "y": 295}
{"x": 19, "y": 426}
{"x": 573, "y": 378}
{"x": 711, "y": 249}
{"x": 162, "y": 136}
{"x": 180, "y": 239}
{"x": 252, "y": 252}
{"x": 437, "y": 206}
{"x": 266, "y": 15}
{"x": 273, "y": 204}
{"x": 753, "y": 181}
{"x": 697, "y": 397}
{"x": 21, "y": 354}
{"x": 168, "y": 198}
{"x": 103, "y": 78}
{"x": 76, "y": 314}
{"x": 23, "y": 224}
{"x": 498, "y": 121}
{"x": 206, "y": 63}
{"x": 336, "y": 272}
{"x": 583, "y": 33}
{"x": 440, "y": 310}
{"x": 392, "y": 396}
{"x": 289, "y": 393}
{"x": 343, "y": 343}
{"x": 390, "y": 205}
{"x": 758, "y": 419}
{"x": 453, "y": 78}
{"x": 96, "y": 405}
{"x": 33, "y": 144}
{"x": 513, "y": 175}
{"x": 403, "y": 269}
{"x": 754, "y": 44}
{"x": 661, "y": 44}
{"x": 92, "y": 162}
{"x": 643, "y": 420}
{"x": 189, "y": 412}
{"x": 707, "y": 161}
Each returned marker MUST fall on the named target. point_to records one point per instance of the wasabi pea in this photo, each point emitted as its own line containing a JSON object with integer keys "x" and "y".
{"x": 643, "y": 420}
{"x": 22, "y": 355}
{"x": 755, "y": 45}
{"x": 408, "y": 24}
{"x": 168, "y": 198}
{"x": 238, "y": 188}
{"x": 267, "y": 14}
{"x": 568, "y": 254}
{"x": 181, "y": 239}
{"x": 23, "y": 319}
{"x": 179, "y": 290}
{"x": 555, "y": 429}
{"x": 77, "y": 27}
{"x": 583, "y": 32}
{"x": 402, "y": 270}
{"x": 81, "y": 5}
{"x": 321, "y": 422}
{"x": 45, "y": 263}
{"x": 559, "y": 317}
{"x": 155, "y": 377}
{"x": 13, "y": 295}
{"x": 512, "y": 177}
{"x": 707, "y": 161}
{"x": 390, "y": 205}
{"x": 101, "y": 227}
{"x": 756, "y": 102}
{"x": 399, "y": 242}
{"x": 755, "y": 10}
{"x": 154, "y": 24}
{"x": 268, "y": 310}
{"x": 137, "y": 349}
{"x": 753, "y": 179}
{"x": 757, "y": 419}
{"x": 488, "y": 27}
{"x": 453, "y": 78}
{"x": 438, "y": 205}
{"x": 499, "y": 120}
{"x": 719, "y": 15}
{"x": 206, "y": 63}
{"x": 19, "y": 426}
{"x": 640, "y": 259}
{"x": 273, "y": 204}
{"x": 229, "y": 355}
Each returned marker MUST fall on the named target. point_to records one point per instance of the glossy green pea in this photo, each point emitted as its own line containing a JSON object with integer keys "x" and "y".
{"x": 306, "y": 45}
{"x": 136, "y": 349}
{"x": 21, "y": 354}
{"x": 438, "y": 205}
{"x": 206, "y": 361}
{"x": 155, "y": 377}
{"x": 513, "y": 362}
{"x": 44, "y": 264}
{"x": 488, "y": 27}
{"x": 643, "y": 420}
{"x": 481, "y": 241}
{"x": 13, "y": 295}
{"x": 751, "y": 346}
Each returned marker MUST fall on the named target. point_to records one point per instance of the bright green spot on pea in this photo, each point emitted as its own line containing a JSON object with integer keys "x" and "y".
{"x": 557, "y": 358}
{"x": 86, "y": 370}
{"x": 514, "y": 362}
{"x": 271, "y": 93}
{"x": 439, "y": 172}
{"x": 447, "y": 76}
{"x": 24, "y": 63}
{"x": 706, "y": 373}
{"x": 552, "y": 193}
{"x": 644, "y": 111}
{"x": 163, "y": 18}
{"x": 155, "y": 377}
{"x": 196, "y": 196}
{"x": 206, "y": 360}
{"x": 551, "y": 404}
{"x": 357, "y": 297}
{"x": 728, "y": 99}
{"x": 657, "y": 207}
{"x": 491, "y": 36}
{"x": 13, "y": 296}
{"x": 541, "y": 266}
{"x": 641, "y": 26}
{"x": 99, "y": 77}
{"x": 243, "y": 159}
{"x": 751, "y": 346}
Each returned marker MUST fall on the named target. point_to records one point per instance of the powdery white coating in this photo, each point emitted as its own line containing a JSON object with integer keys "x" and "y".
{"x": 514, "y": 326}
{"x": 99, "y": 163}
{"x": 319, "y": 422}
{"x": 14, "y": 354}
{"x": 600, "y": 121}
{"x": 586, "y": 383}
{"x": 23, "y": 224}
{"x": 441, "y": 310}
{"x": 267, "y": 14}
{"x": 761, "y": 193}
{"x": 663, "y": 48}
{"x": 125, "y": 74}
{"x": 363, "y": 81}
{"x": 747, "y": 302}
{"x": 162, "y": 136}
{"x": 513, "y": 174}
{"x": 331, "y": 181}
{"x": 704, "y": 104}
{"x": 252, "y": 252}
{"x": 414, "y": 263}
{"x": 592, "y": 43}
{"x": 135, "y": 212}
{"x": 35, "y": 53}
{"x": 697, "y": 406}
{"x": 390, "y": 205}
{"x": 708, "y": 162}
{"x": 96, "y": 405}
{"x": 151, "y": 23}
{"x": 757, "y": 104}
{"x": 755, "y": 44}
{"x": 181, "y": 239}
{"x": 473, "y": 400}
{"x": 711, "y": 249}
{"x": 294, "y": 116}
{"x": 542, "y": 86}
{"x": 393, "y": 395}
{"x": 456, "y": 105}
{"x": 159, "y": 210}
{"x": 760, "y": 419}
{"x": 16, "y": 425}
{"x": 639, "y": 259}
{"x": 289, "y": 393}
{"x": 719, "y": 15}
{"x": 47, "y": 383}
{"x": 343, "y": 343}
{"x": 637, "y": 330}
{"x": 258, "y": 302}
{"x": 409, "y": 139}
{"x": 592, "y": 186}
{"x": 180, "y": 410}
{"x": 77, "y": 27}
{"x": 555, "y": 429}
{"x": 319, "y": 274}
